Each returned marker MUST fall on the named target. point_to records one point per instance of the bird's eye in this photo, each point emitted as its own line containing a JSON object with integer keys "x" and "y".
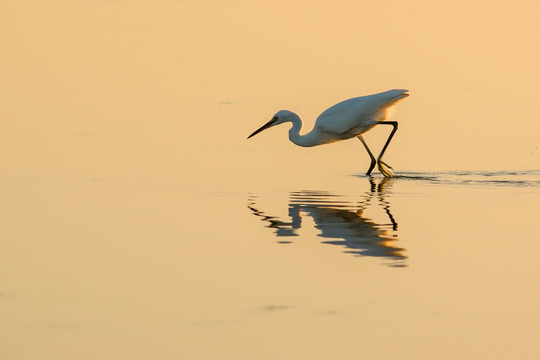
{"x": 274, "y": 118}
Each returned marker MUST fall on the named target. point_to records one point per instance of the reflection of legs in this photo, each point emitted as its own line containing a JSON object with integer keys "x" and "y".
{"x": 381, "y": 187}
{"x": 361, "y": 138}
{"x": 384, "y": 168}
{"x": 382, "y": 199}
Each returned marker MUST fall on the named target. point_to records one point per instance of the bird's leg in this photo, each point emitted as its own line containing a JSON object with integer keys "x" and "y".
{"x": 373, "y": 162}
{"x": 384, "y": 168}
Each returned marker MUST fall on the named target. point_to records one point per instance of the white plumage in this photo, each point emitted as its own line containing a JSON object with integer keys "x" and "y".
{"x": 345, "y": 120}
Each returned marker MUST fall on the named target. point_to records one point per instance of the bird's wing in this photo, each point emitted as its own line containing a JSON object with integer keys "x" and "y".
{"x": 360, "y": 111}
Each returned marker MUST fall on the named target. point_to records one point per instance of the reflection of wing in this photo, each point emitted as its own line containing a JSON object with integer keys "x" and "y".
{"x": 341, "y": 222}
{"x": 359, "y": 112}
{"x": 362, "y": 236}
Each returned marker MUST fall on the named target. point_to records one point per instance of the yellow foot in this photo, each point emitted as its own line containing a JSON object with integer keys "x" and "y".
{"x": 385, "y": 169}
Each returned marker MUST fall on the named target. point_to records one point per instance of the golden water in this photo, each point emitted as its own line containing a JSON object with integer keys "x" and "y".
{"x": 138, "y": 222}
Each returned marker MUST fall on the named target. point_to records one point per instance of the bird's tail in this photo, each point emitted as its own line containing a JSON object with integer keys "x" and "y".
{"x": 387, "y": 110}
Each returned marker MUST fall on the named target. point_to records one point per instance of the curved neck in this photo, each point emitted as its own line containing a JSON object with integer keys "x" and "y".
{"x": 309, "y": 139}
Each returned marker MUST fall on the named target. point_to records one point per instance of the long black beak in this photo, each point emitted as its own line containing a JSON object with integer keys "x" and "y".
{"x": 264, "y": 127}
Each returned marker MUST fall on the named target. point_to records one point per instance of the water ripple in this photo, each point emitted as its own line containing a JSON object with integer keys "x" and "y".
{"x": 529, "y": 178}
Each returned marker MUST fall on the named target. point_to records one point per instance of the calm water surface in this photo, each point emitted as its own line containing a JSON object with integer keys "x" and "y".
{"x": 426, "y": 265}
{"x": 137, "y": 222}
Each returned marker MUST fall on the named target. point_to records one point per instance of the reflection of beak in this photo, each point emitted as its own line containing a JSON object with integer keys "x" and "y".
{"x": 264, "y": 127}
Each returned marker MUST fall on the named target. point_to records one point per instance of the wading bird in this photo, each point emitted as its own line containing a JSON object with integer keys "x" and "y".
{"x": 345, "y": 120}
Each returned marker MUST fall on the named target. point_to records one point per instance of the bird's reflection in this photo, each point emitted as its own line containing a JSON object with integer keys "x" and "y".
{"x": 342, "y": 222}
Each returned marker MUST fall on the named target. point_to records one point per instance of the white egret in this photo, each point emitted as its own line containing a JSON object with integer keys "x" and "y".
{"x": 345, "y": 120}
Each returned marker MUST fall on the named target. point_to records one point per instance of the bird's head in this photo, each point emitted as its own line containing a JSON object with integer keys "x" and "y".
{"x": 280, "y": 117}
